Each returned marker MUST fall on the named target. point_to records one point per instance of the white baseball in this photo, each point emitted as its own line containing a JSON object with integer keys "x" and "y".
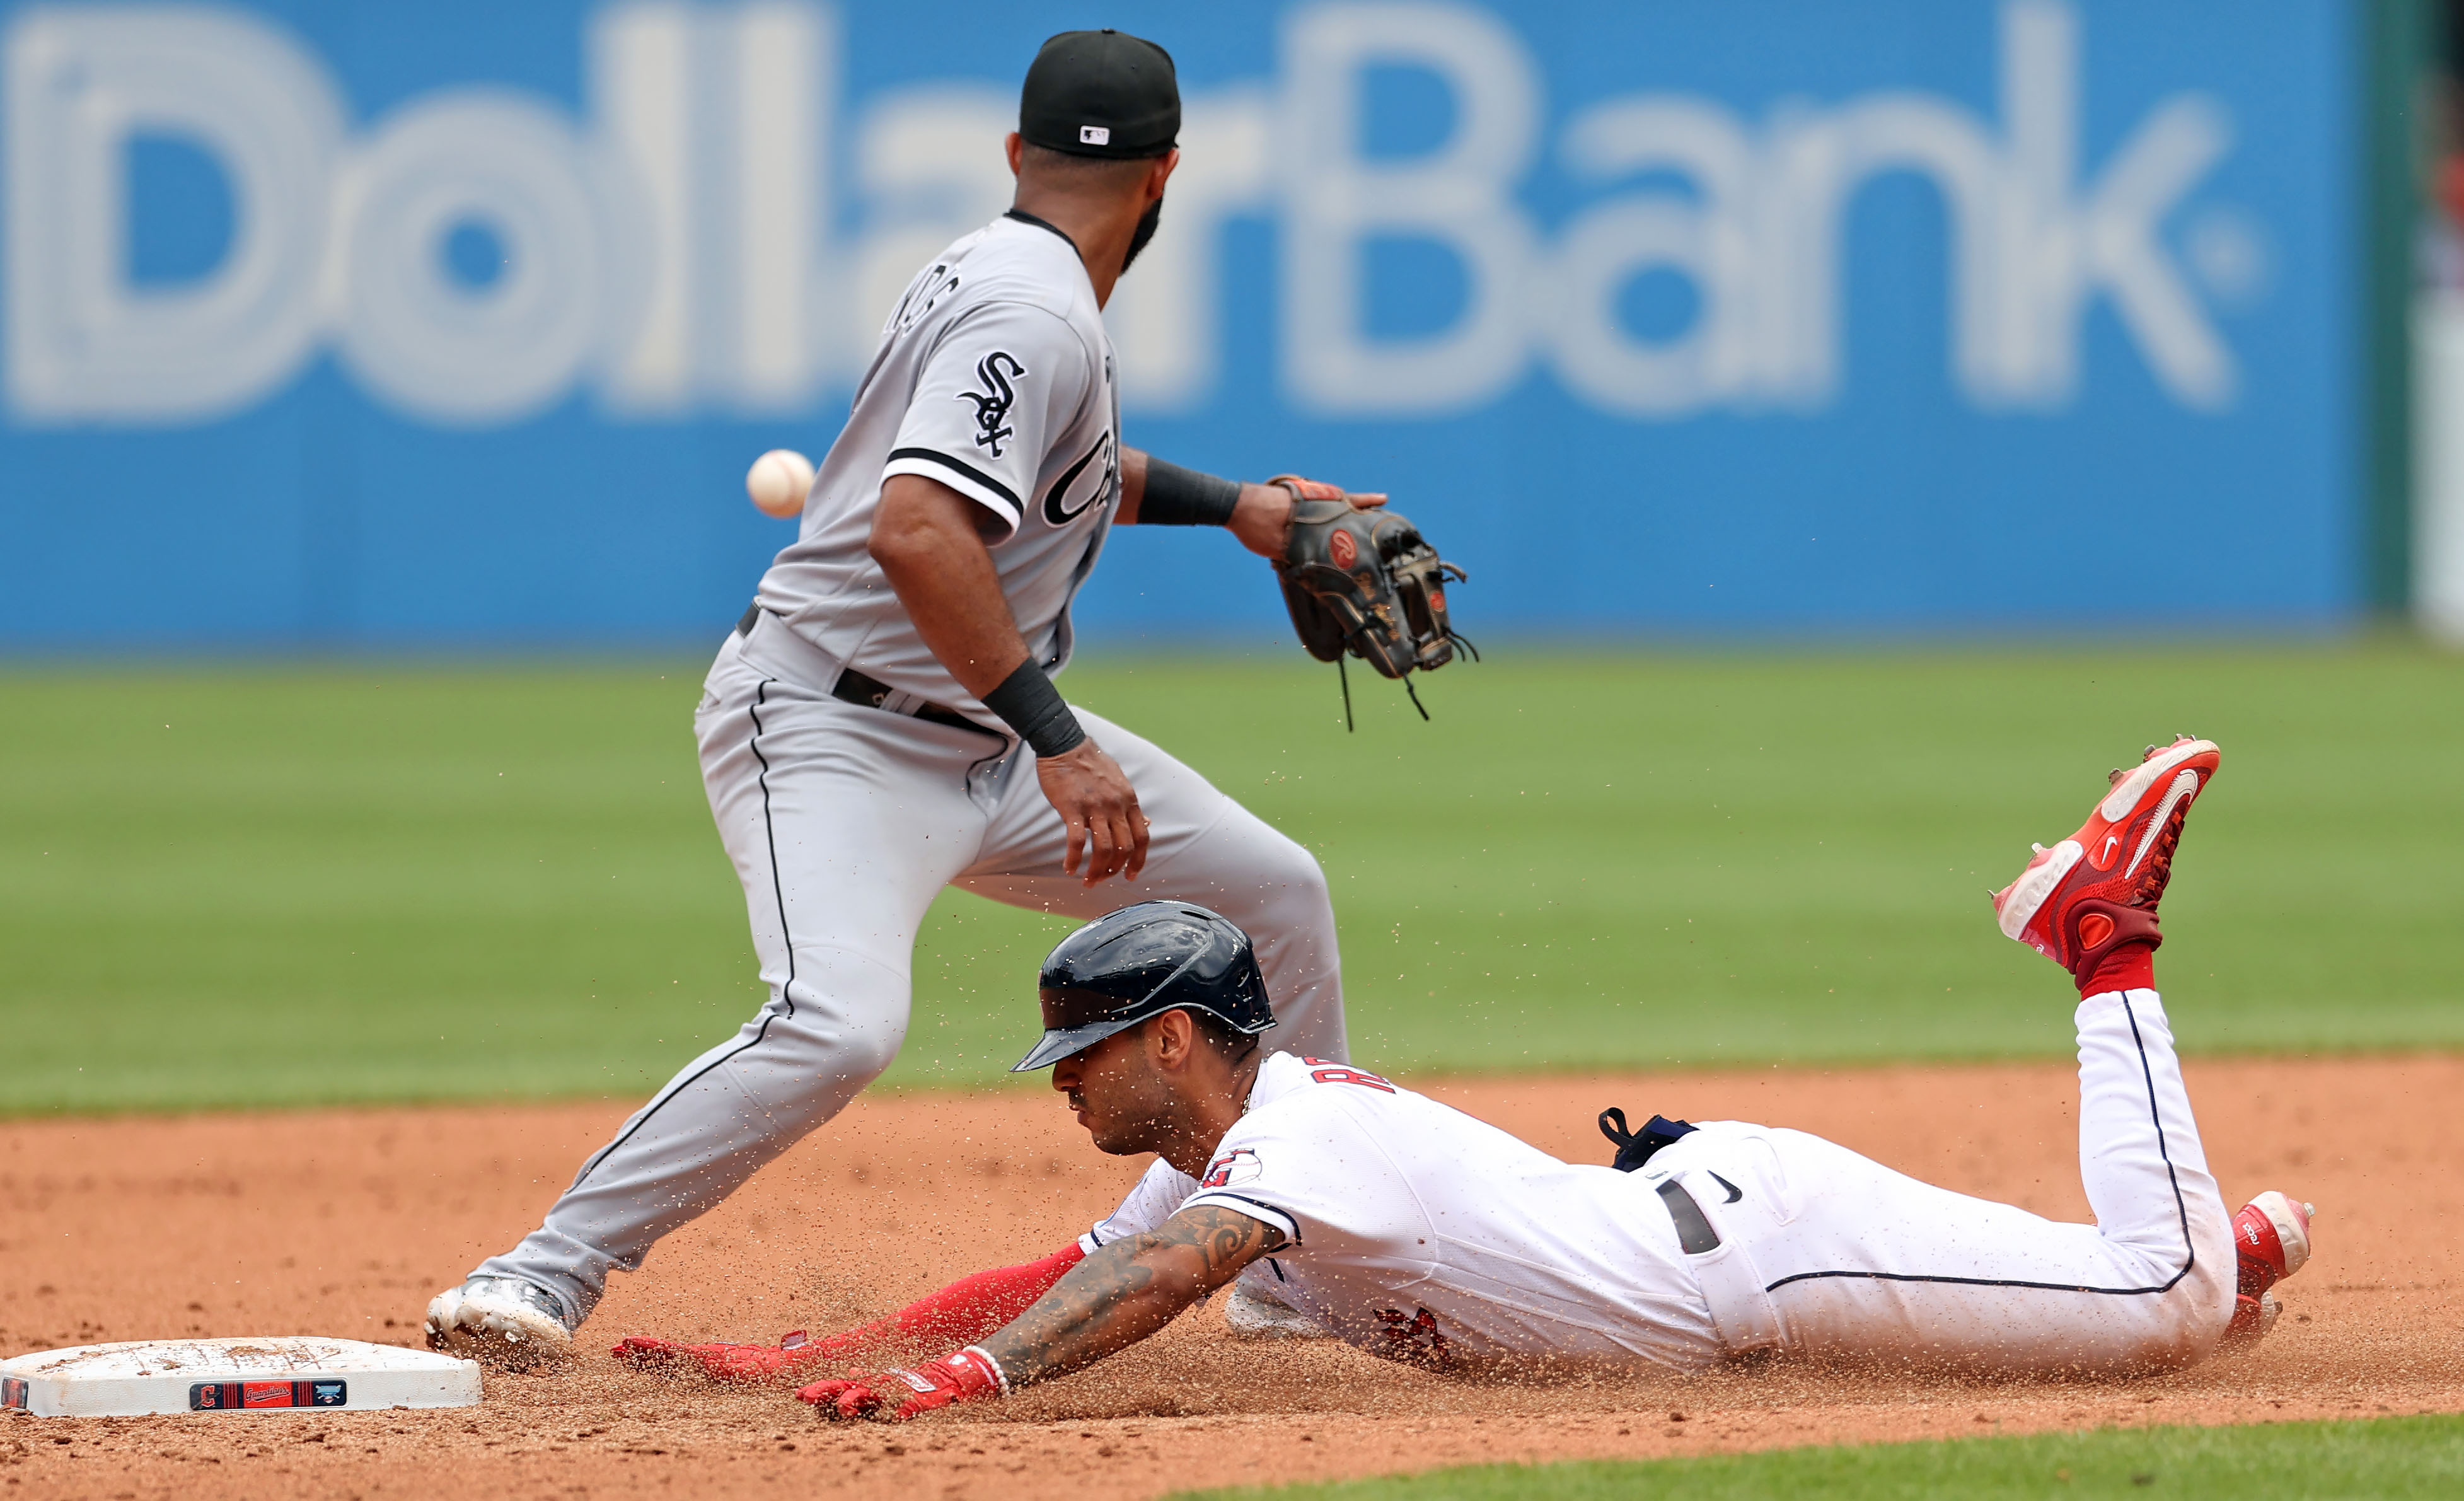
{"x": 777, "y": 481}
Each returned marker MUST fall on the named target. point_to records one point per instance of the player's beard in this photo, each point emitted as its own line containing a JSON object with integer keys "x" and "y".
{"x": 1144, "y": 232}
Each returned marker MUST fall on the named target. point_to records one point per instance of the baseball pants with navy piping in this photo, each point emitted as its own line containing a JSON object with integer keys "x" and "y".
{"x": 1844, "y": 1258}
{"x": 843, "y": 822}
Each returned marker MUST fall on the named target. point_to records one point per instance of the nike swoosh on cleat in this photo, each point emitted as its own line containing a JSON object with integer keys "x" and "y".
{"x": 2126, "y": 792}
{"x": 2184, "y": 786}
{"x": 2106, "y": 858}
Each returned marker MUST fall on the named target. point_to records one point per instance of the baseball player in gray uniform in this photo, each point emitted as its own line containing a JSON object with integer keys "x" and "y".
{"x": 883, "y": 722}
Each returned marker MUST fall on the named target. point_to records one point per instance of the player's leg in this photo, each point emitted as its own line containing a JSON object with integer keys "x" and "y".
{"x": 1858, "y": 1260}
{"x": 843, "y": 823}
{"x": 1866, "y": 1263}
{"x": 1203, "y": 847}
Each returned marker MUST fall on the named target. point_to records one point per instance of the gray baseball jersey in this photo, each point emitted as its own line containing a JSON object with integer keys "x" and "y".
{"x": 844, "y": 821}
{"x": 994, "y": 377}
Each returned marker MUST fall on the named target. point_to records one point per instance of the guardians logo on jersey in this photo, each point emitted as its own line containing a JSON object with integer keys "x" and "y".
{"x": 1412, "y": 1339}
{"x": 1235, "y": 1167}
{"x": 993, "y": 403}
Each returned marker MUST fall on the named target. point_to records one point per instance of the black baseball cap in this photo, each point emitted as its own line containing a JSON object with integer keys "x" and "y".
{"x": 1101, "y": 94}
{"x": 1143, "y": 961}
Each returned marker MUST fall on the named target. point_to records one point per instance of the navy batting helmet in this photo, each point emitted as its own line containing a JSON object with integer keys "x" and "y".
{"x": 1143, "y": 961}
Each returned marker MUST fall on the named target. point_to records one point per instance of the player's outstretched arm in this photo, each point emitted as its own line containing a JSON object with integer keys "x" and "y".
{"x": 1112, "y": 1300}
{"x": 965, "y": 1311}
{"x": 1259, "y": 516}
{"x": 1129, "y": 1289}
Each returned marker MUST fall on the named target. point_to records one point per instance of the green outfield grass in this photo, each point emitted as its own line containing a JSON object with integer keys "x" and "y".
{"x": 233, "y": 885}
{"x": 2388, "y": 1457}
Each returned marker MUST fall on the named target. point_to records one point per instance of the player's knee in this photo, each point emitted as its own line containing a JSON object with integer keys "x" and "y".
{"x": 1297, "y": 884}
{"x": 2183, "y": 1327}
{"x": 835, "y": 1034}
{"x": 864, "y": 1054}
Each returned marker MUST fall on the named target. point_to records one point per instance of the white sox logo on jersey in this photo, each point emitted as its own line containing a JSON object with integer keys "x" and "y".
{"x": 1057, "y": 509}
{"x": 994, "y": 402}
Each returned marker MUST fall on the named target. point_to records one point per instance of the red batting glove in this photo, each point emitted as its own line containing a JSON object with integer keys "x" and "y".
{"x": 964, "y": 1377}
{"x": 748, "y": 1365}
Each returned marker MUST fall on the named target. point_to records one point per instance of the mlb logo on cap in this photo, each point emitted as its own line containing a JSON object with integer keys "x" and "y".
{"x": 1103, "y": 94}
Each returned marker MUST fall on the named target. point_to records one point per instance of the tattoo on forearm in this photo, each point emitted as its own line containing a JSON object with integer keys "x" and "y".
{"x": 1129, "y": 1289}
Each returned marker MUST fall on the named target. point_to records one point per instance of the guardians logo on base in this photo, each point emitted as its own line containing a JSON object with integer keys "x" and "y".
{"x": 238, "y": 1396}
{"x": 12, "y": 1392}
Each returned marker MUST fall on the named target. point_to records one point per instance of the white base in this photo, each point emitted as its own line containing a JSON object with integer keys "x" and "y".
{"x": 135, "y": 1377}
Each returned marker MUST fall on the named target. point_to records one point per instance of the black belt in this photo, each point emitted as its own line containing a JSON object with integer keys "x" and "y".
{"x": 1634, "y": 1148}
{"x": 866, "y": 690}
{"x": 1694, "y": 1233}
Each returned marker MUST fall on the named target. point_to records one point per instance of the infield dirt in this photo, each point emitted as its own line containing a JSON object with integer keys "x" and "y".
{"x": 344, "y": 1221}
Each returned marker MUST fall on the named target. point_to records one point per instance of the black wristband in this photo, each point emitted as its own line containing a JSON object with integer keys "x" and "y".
{"x": 1178, "y": 496}
{"x": 1028, "y": 703}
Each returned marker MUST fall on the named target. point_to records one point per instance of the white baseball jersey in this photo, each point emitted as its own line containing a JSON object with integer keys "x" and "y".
{"x": 995, "y": 376}
{"x": 1418, "y": 1232}
{"x": 1421, "y": 1233}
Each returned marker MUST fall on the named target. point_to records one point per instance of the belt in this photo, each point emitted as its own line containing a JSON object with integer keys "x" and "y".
{"x": 848, "y": 685}
{"x": 1742, "y": 1311}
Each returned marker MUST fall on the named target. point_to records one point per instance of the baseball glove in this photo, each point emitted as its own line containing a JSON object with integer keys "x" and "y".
{"x": 1367, "y": 584}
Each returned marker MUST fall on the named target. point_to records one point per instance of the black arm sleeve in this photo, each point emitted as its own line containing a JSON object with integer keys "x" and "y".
{"x": 1178, "y": 496}
{"x": 1028, "y": 703}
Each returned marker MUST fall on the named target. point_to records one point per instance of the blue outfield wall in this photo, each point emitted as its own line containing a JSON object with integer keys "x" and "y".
{"x": 355, "y": 322}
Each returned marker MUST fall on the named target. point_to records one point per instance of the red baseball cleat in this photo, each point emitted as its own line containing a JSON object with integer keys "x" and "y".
{"x": 2272, "y": 1242}
{"x": 2098, "y": 889}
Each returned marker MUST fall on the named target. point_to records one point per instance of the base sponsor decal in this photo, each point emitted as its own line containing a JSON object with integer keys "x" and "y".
{"x": 12, "y": 1392}
{"x": 242, "y": 1396}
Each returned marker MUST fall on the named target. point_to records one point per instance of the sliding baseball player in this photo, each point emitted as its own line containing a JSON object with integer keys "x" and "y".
{"x": 884, "y": 723}
{"x": 1416, "y": 1233}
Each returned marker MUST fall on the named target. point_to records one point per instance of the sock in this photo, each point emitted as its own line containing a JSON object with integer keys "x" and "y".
{"x": 2131, "y": 966}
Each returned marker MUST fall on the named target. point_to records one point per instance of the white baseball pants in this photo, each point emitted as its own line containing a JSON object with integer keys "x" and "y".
{"x": 843, "y": 823}
{"x": 1829, "y": 1254}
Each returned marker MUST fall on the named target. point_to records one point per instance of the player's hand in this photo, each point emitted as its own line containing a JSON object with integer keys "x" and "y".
{"x": 1100, "y": 809}
{"x": 746, "y": 1365}
{"x": 898, "y": 1394}
{"x": 1263, "y": 518}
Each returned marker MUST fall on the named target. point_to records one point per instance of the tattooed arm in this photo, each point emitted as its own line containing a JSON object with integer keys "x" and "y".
{"x": 1129, "y": 1289}
{"x": 1109, "y": 1301}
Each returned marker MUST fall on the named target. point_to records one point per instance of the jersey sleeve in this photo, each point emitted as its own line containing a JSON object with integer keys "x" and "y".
{"x": 1155, "y": 1199}
{"x": 1001, "y": 385}
{"x": 1306, "y": 1165}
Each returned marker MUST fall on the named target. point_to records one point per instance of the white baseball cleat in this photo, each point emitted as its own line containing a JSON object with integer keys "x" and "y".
{"x": 1252, "y": 1315}
{"x": 500, "y": 1322}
